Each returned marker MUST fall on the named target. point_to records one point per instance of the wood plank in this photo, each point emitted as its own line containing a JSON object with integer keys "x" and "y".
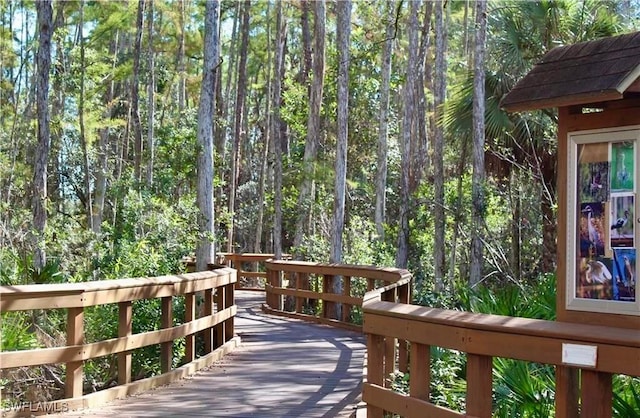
{"x": 166, "y": 322}
{"x": 597, "y": 395}
{"x": 479, "y": 385}
{"x": 420, "y": 368}
{"x": 190, "y": 315}
{"x": 75, "y": 336}
{"x": 567, "y": 392}
{"x": 125, "y": 314}
{"x": 404, "y": 405}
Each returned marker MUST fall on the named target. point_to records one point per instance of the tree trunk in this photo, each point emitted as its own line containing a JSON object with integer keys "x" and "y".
{"x": 278, "y": 72}
{"x": 266, "y": 145}
{"x": 305, "y": 198}
{"x": 305, "y": 67}
{"x": 88, "y": 201}
{"x": 103, "y": 145}
{"x": 150, "y": 97}
{"x": 408, "y": 119}
{"x": 478, "y": 178}
{"x": 205, "y": 250}
{"x": 438, "y": 148}
{"x": 239, "y": 134}
{"x": 383, "y": 122}
{"x": 135, "y": 112}
{"x": 43, "y": 63}
{"x": 182, "y": 68}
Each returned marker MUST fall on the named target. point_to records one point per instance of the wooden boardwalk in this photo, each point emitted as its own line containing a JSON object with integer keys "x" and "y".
{"x": 283, "y": 368}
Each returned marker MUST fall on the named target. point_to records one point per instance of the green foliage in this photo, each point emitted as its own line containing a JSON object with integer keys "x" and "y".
{"x": 16, "y": 332}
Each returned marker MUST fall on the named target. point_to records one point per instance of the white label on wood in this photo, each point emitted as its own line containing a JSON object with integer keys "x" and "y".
{"x": 580, "y": 355}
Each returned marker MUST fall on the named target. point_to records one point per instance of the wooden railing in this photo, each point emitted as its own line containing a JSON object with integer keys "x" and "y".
{"x": 306, "y": 290}
{"x": 483, "y": 337}
{"x": 215, "y": 324}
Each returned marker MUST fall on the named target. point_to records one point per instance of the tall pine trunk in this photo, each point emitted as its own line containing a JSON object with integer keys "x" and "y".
{"x": 135, "y": 99}
{"x": 151, "y": 89}
{"x": 205, "y": 250}
{"x": 383, "y": 122}
{"x": 478, "y": 177}
{"x": 306, "y": 198}
{"x": 238, "y": 129}
{"x": 43, "y": 63}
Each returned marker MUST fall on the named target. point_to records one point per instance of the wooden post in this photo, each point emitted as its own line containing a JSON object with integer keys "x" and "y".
{"x": 299, "y": 300}
{"x": 190, "y": 315}
{"x": 229, "y": 301}
{"x": 404, "y": 296}
{"x": 218, "y": 334}
{"x": 419, "y": 386}
{"x": 479, "y": 385}
{"x": 327, "y": 307}
{"x": 389, "y": 342}
{"x": 567, "y": 392}
{"x": 597, "y": 395}
{"x": 375, "y": 369}
{"x": 125, "y": 313}
{"x": 346, "y": 291}
{"x": 166, "y": 321}
{"x": 75, "y": 336}
{"x": 208, "y": 310}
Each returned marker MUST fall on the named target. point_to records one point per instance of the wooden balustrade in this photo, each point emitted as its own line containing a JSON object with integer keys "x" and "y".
{"x": 75, "y": 297}
{"x": 295, "y": 280}
{"x": 484, "y": 337}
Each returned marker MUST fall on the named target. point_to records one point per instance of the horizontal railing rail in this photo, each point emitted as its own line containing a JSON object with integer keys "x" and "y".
{"x": 388, "y": 324}
{"x": 306, "y": 290}
{"x": 251, "y": 269}
{"x": 215, "y": 323}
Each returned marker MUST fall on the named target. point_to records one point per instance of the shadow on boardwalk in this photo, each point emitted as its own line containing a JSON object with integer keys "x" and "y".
{"x": 283, "y": 368}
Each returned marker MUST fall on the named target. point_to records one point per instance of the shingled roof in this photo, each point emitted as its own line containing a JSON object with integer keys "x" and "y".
{"x": 587, "y": 72}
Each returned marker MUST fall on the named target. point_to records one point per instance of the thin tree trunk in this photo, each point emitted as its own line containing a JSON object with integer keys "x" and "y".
{"x": 266, "y": 145}
{"x": 402, "y": 253}
{"x": 103, "y": 146}
{"x": 135, "y": 112}
{"x": 478, "y": 178}
{"x": 205, "y": 250}
{"x": 383, "y": 122}
{"x": 150, "y": 97}
{"x": 305, "y": 66}
{"x": 43, "y": 62}
{"x": 457, "y": 214}
{"x": 88, "y": 201}
{"x": 182, "y": 68}
{"x": 305, "y": 198}
{"x": 420, "y": 137}
{"x": 438, "y": 147}
{"x": 278, "y": 72}
{"x": 239, "y": 133}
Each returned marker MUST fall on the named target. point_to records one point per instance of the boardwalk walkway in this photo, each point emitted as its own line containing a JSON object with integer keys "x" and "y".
{"x": 283, "y": 368}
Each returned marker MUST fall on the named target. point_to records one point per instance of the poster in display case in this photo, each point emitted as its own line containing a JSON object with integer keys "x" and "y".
{"x": 601, "y": 192}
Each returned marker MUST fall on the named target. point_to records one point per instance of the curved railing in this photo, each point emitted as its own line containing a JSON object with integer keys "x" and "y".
{"x": 215, "y": 324}
{"x": 585, "y": 357}
{"x": 307, "y": 290}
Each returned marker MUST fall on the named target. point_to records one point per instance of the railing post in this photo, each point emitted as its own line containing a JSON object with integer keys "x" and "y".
{"x": 404, "y": 296}
{"x": 567, "y": 392}
{"x": 125, "y": 314}
{"x": 375, "y": 369}
{"x": 75, "y": 336}
{"x": 479, "y": 385}
{"x": 419, "y": 386}
{"x": 166, "y": 321}
{"x": 597, "y": 395}
{"x": 189, "y": 316}
{"x": 389, "y": 342}
{"x": 218, "y": 333}
{"x": 299, "y": 300}
{"x": 208, "y": 310}
{"x": 346, "y": 291}
{"x": 229, "y": 300}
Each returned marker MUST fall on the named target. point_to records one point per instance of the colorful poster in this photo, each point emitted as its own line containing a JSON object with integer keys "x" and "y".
{"x": 622, "y": 163}
{"x": 624, "y": 275}
{"x": 622, "y": 215}
{"x": 595, "y": 280}
{"x": 594, "y": 182}
{"x": 592, "y": 232}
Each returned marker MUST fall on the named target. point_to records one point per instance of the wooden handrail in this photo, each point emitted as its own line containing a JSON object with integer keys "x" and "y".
{"x": 483, "y": 337}
{"x": 298, "y": 275}
{"x": 75, "y": 297}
